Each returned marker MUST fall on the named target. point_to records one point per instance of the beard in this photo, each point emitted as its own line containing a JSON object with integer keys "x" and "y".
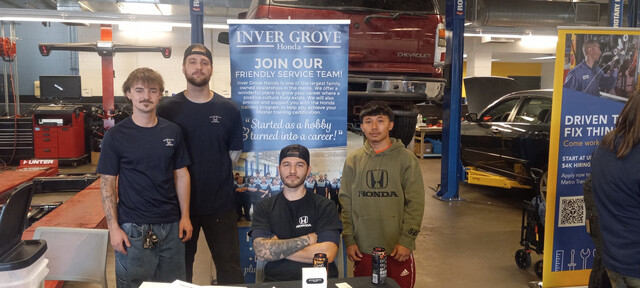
{"x": 198, "y": 82}
{"x": 294, "y": 184}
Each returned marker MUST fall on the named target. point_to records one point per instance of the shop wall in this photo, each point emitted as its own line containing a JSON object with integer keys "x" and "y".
{"x": 505, "y": 69}
{"x": 31, "y": 64}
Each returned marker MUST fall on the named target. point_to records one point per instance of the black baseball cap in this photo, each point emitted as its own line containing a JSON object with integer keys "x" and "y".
{"x": 295, "y": 150}
{"x": 189, "y": 51}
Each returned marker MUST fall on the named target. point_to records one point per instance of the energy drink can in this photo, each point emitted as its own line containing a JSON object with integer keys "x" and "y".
{"x": 379, "y": 266}
{"x": 320, "y": 260}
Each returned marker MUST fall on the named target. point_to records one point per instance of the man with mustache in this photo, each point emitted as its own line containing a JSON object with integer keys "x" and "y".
{"x": 212, "y": 128}
{"x": 289, "y": 228}
{"x": 148, "y": 213}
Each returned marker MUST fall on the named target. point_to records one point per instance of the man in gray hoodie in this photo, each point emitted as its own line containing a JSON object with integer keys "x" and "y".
{"x": 382, "y": 195}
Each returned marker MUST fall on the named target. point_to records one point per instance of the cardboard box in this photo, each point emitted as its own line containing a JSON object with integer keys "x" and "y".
{"x": 94, "y": 158}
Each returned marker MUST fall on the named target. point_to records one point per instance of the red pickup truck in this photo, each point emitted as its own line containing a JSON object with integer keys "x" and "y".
{"x": 396, "y": 51}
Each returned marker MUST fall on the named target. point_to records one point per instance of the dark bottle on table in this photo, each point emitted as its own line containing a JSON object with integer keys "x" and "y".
{"x": 379, "y": 266}
{"x": 320, "y": 260}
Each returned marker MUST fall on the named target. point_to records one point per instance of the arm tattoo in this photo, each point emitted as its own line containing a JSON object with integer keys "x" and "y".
{"x": 109, "y": 203}
{"x": 276, "y": 249}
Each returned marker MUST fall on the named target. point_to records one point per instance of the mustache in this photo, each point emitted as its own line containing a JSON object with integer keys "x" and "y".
{"x": 146, "y": 101}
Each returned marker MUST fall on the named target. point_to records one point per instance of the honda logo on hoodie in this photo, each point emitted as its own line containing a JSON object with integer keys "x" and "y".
{"x": 377, "y": 179}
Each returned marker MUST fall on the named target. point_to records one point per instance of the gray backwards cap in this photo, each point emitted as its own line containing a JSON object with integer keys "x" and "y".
{"x": 295, "y": 150}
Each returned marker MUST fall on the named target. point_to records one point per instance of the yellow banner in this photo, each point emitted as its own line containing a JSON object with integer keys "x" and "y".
{"x": 579, "y": 96}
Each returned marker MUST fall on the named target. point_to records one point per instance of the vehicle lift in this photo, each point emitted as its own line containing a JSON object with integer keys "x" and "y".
{"x": 474, "y": 176}
{"x": 451, "y": 115}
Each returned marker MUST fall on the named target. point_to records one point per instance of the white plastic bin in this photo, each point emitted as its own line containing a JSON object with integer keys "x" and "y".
{"x": 29, "y": 277}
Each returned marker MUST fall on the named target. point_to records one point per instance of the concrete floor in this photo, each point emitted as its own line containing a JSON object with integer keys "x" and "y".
{"x": 469, "y": 243}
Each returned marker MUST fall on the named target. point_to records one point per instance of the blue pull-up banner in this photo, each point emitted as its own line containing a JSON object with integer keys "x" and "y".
{"x": 289, "y": 78}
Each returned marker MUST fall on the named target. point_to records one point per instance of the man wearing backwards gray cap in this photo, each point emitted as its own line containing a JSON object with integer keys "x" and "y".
{"x": 212, "y": 127}
{"x": 291, "y": 227}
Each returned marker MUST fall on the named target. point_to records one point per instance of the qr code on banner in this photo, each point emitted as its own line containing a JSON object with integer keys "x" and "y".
{"x": 571, "y": 212}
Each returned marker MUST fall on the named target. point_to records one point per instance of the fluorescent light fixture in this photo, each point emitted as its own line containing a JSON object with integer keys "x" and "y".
{"x": 58, "y": 16}
{"x": 84, "y": 6}
{"x": 216, "y": 26}
{"x": 515, "y": 36}
{"x": 544, "y": 58}
{"x": 493, "y": 35}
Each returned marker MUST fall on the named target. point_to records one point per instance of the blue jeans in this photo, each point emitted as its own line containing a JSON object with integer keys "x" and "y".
{"x": 162, "y": 263}
{"x": 620, "y": 281}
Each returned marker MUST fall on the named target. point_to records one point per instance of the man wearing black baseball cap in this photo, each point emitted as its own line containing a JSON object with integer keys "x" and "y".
{"x": 291, "y": 227}
{"x": 212, "y": 127}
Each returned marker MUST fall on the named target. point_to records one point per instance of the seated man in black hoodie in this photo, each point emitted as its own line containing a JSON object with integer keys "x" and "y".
{"x": 291, "y": 227}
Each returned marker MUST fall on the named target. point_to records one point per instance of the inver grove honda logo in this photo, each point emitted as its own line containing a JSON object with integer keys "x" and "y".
{"x": 377, "y": 179}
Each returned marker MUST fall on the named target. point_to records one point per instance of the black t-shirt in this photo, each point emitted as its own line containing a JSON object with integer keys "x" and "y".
{"x": 289, "y": 219}
{"x": 211, "y": 130}
{"x": 144, "y": 158}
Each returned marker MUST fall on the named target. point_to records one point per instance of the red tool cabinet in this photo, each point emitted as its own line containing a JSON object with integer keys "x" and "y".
{"x": 58, "y": 132}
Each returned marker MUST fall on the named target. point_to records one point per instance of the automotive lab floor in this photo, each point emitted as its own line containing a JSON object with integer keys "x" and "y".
{"x": 469, "y": 243}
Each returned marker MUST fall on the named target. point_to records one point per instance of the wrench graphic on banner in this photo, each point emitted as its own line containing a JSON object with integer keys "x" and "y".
{"x": 584, "y": 253}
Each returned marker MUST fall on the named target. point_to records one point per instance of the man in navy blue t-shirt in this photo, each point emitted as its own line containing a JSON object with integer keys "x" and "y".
{"x": 148, "y": 218}
{"x": 212, "y": 128}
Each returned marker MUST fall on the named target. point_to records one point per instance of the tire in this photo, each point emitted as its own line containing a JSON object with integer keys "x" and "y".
{"x": 404, "y": 124}
{"x": 538, "y": 268}
{"x": 523, "y": 259}
{"x": 541, "y": 186}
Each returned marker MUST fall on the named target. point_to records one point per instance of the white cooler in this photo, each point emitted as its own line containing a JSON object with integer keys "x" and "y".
{"x": 30, "y": 277}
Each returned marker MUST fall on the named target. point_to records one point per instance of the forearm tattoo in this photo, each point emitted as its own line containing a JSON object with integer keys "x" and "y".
{"x": 108, "y": 198}
{"x": 276, "y": 249}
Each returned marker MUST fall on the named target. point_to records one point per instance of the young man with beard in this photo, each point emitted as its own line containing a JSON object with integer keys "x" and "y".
{"x": 212, "y": 127}
{"x": 148, "y": 158}
{"x": 382, "y": 198}
{"x": 291, "y": 227}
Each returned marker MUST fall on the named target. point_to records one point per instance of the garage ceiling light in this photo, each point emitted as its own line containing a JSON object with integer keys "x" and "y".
{"x": 515, "y": 36}
{"x": 544, "y": 58}
{"x": 58, "y": 16}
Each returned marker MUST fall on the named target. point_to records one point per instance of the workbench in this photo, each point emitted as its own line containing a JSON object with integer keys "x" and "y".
{"x": 420, "y": 137}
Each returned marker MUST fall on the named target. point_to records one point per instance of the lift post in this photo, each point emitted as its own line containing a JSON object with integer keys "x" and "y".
{"x": 108, "y": 101}
{"x": 196, "y": 12}
{"x": 451, "y": 114}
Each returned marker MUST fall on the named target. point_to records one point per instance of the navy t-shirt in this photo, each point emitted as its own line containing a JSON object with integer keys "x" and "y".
{"x": 144, "y": 158}
{"x": 211, "y": 130}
